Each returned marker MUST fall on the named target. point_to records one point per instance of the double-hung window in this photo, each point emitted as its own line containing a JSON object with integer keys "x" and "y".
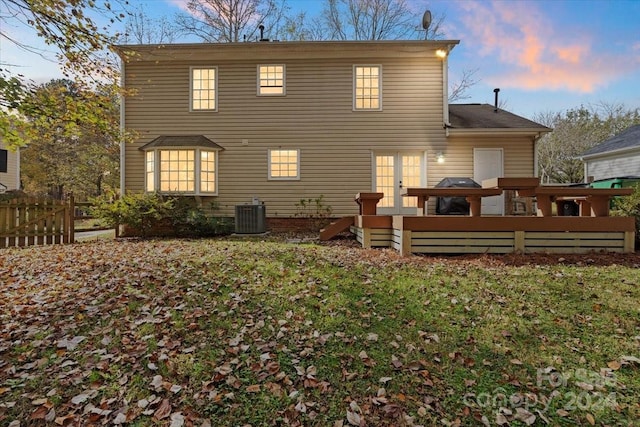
{"x": 284, "y": 164}
{"x": 367, "y": 87}
{"x": 204, "y": 85}
{"x": 271, "y": 80}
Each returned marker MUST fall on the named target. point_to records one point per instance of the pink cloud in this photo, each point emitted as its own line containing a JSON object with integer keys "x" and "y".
{"x": 532, "y": 50}
{"x": 182, "y": 4}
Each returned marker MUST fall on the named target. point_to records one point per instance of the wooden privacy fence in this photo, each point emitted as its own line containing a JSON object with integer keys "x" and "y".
{"x": 30, "y": 221}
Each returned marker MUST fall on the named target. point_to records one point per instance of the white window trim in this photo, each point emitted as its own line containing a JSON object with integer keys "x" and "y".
{"x": 283, "y": 178}
{"x": 202, "y": 110}
{"x": 197, "y": 170}
{"x": 284, "y": 80}
{"x": 353, "y": 90}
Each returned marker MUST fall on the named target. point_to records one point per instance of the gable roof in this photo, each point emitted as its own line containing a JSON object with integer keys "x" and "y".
{"x": 627, "y": 139}
{"x": 484, "y": 116}
{"x": 165, "y": 141}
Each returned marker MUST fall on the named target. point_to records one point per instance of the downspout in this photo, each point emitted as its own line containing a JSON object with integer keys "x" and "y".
{"x": 535, "y": 154}
{"x": 122, "y": 127}
{"x": 445, "y": 90}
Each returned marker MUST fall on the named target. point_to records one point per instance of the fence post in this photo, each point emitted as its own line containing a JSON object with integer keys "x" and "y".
{"x": 70, "y": 216}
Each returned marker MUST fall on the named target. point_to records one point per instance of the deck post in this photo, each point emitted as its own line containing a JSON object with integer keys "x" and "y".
{"x": 629, "y": 242}
{"x": 518, "y": 242}
{"x": 368, "y": 202}
{"x": 405, "y": 243}
{"x": 366, "y": 238}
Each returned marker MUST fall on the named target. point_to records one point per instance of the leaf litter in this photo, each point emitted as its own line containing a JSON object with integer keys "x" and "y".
{"x": 184, "y": 333}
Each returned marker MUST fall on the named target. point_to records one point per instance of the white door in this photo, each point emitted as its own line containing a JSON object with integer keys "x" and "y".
{"x": 488, "y": 163}
{"x": 394, "y": 171}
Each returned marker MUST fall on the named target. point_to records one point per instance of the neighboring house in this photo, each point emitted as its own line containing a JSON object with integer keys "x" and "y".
{"x": 618, "y": 156}
{"x": 9, "y": 169}
{"x": 285, "y": 121}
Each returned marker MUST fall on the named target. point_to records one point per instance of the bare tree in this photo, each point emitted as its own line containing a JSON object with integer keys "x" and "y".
{"x": 231, "y": 20}
{"x": 576, "y": 131}
{"x": 374, "y": 20}
{"x": 458, "y": 89}
{"x": 141, "y": 29}
{"x": 300, "y": 28}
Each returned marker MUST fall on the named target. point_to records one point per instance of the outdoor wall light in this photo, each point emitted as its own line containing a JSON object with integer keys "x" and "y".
{"x": 440, "y": 157}
{"x": 441, "y": 53}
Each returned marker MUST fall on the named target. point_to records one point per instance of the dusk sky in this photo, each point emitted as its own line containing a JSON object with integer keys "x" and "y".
{"x": 543, "y": 55}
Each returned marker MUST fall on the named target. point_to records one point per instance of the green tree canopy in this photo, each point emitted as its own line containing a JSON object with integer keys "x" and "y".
{"x": 68, "y": 148}
{"x": 78, "y": 32}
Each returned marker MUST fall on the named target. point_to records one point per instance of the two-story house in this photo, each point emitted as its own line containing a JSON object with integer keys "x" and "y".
{"x": 285, "y": 121}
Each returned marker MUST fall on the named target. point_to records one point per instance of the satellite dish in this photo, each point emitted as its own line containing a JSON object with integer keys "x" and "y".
{"x": 426, "y": 19}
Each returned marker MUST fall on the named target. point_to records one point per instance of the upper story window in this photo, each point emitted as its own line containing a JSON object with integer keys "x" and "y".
{"x": 271, "y": 80}
{"x": 367, "y": 87}
{"x": 284, "y": 164}
{"x": 204, "y": 94}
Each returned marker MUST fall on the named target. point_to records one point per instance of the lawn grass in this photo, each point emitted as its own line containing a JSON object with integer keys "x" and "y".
{"x": 268, "y": 333}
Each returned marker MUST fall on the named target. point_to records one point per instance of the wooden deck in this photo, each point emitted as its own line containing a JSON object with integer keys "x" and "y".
{"x": 515, "y": 234}
{"x": 593, "y": 231}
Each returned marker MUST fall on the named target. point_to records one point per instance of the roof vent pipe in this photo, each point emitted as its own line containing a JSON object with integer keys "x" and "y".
{"x": 496, "y": 90}
{"x": 262, "y": 39}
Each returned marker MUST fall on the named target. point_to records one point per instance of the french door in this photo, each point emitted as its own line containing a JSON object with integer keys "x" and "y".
{"x": 394, "y": 171}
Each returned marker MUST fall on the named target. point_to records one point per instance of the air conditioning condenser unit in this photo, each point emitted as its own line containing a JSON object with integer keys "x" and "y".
{"x": 251, "y": 219}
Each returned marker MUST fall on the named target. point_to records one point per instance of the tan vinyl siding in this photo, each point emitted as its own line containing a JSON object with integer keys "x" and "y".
{"x": 517, "y": 151}
{"x": 11, "y": 179}
{"x": 315, "y": 116}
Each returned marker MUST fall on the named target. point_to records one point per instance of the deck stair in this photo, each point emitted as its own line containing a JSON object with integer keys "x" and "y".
{"x": 337, "y": 227}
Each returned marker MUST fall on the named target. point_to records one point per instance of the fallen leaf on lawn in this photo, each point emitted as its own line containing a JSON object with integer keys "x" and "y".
{"x": 353, "y": 418}
{"x": 175, "y": 388}
{"x": 255, "y": 388}
{"x": 40, "y": 413}
{"x": 385, "y": 380}
{"x": 177, "y": 419}
{"x": 515, "y": 362}
{"x": 396, "y": 362}
{"x": 157, "y": 382}
{"x": 301, "y": 407}
{"x": 562, "y": 413}
{"x": 363, "y": 355}
{"x": 591, "y": 419}
{"x": 614, "y": 364}
{"x": 63, "y": 420}
{"x": 372, "y": 337}
{"x": 80, "y": 398}
{"x": 525, "y": 416}
{"x": 120, "y": 419}
{"x": 163, "y": 411}
{"x": 70, "y": 344}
